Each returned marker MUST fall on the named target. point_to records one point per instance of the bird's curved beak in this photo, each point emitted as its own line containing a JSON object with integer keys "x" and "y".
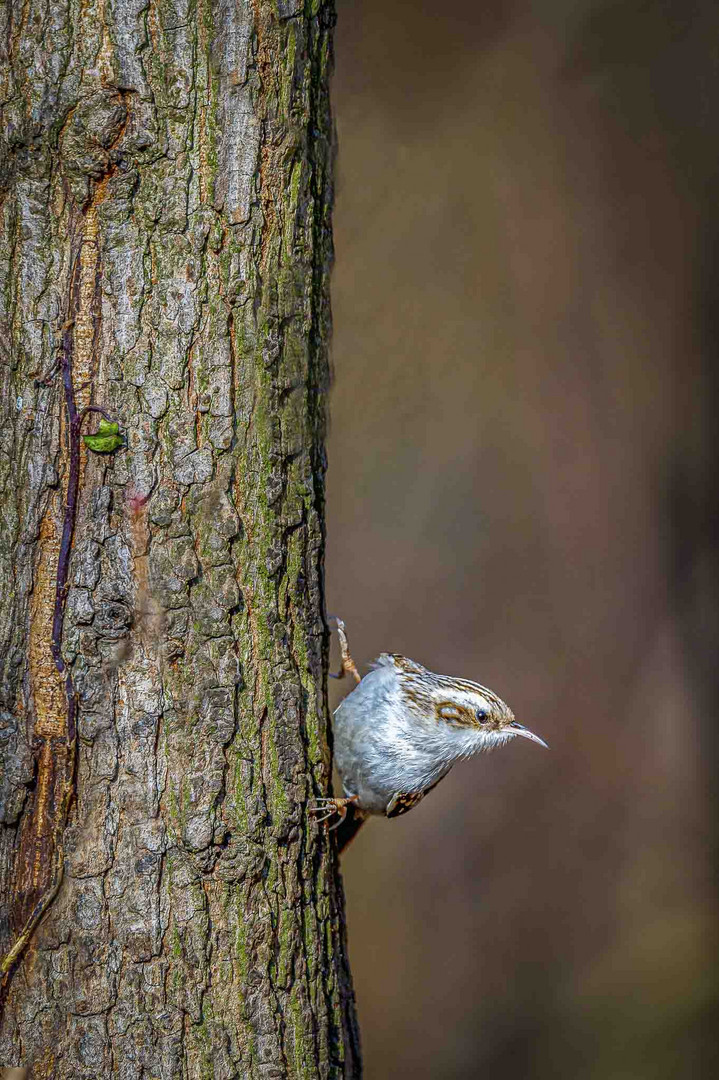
{"x": 518, "y": 729}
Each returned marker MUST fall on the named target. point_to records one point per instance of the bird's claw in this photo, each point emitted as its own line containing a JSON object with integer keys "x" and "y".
{"x": 326, "y": 807}
{"x": 348, "y": 664}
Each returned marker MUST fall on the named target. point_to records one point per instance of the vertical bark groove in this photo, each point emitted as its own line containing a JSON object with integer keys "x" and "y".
{"x": 186, "y": 147}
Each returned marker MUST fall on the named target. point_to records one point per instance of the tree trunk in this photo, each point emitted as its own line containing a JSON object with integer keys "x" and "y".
{"x": 168, "y": 910}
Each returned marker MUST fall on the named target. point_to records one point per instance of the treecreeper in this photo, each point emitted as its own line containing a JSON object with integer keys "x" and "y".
{"x": 400, "y": 731}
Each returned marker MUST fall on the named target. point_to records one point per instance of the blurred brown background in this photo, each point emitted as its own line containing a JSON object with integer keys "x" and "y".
{"x": 522, "y": 486}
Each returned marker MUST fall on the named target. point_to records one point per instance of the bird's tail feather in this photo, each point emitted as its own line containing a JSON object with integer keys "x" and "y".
{"x": 348, "y": 829}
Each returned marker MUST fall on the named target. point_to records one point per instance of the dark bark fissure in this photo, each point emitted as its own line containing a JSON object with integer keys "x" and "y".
{"x": 39, "y": 859}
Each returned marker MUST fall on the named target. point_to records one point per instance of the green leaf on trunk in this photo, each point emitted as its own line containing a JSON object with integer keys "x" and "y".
{"x": 106, "y": 439}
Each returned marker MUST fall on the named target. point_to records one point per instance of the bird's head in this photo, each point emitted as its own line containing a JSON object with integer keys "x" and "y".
{"x": 470, "y": 716}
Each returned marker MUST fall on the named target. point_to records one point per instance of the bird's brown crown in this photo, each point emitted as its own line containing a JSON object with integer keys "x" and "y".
{"x": 457, "y": 702}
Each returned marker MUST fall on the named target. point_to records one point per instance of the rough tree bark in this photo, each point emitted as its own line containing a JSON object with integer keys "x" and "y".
{"x": 166, "y": 190}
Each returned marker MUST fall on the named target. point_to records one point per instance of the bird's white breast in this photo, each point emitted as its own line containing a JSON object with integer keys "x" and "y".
{"x": 381, "y": 747}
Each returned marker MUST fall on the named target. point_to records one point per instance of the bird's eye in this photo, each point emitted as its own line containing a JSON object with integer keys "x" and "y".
{"x": 482, "y": 715}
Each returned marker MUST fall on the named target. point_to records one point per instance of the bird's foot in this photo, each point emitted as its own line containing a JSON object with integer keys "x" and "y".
{"x": 326, "y": 808}
{"x": 348, "y": 664}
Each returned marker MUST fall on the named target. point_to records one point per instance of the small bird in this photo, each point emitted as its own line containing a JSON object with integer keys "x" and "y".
{"x": 400, "y": 731}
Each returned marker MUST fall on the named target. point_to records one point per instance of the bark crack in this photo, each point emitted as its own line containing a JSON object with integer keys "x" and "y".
{"x": 40, "y": 857}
